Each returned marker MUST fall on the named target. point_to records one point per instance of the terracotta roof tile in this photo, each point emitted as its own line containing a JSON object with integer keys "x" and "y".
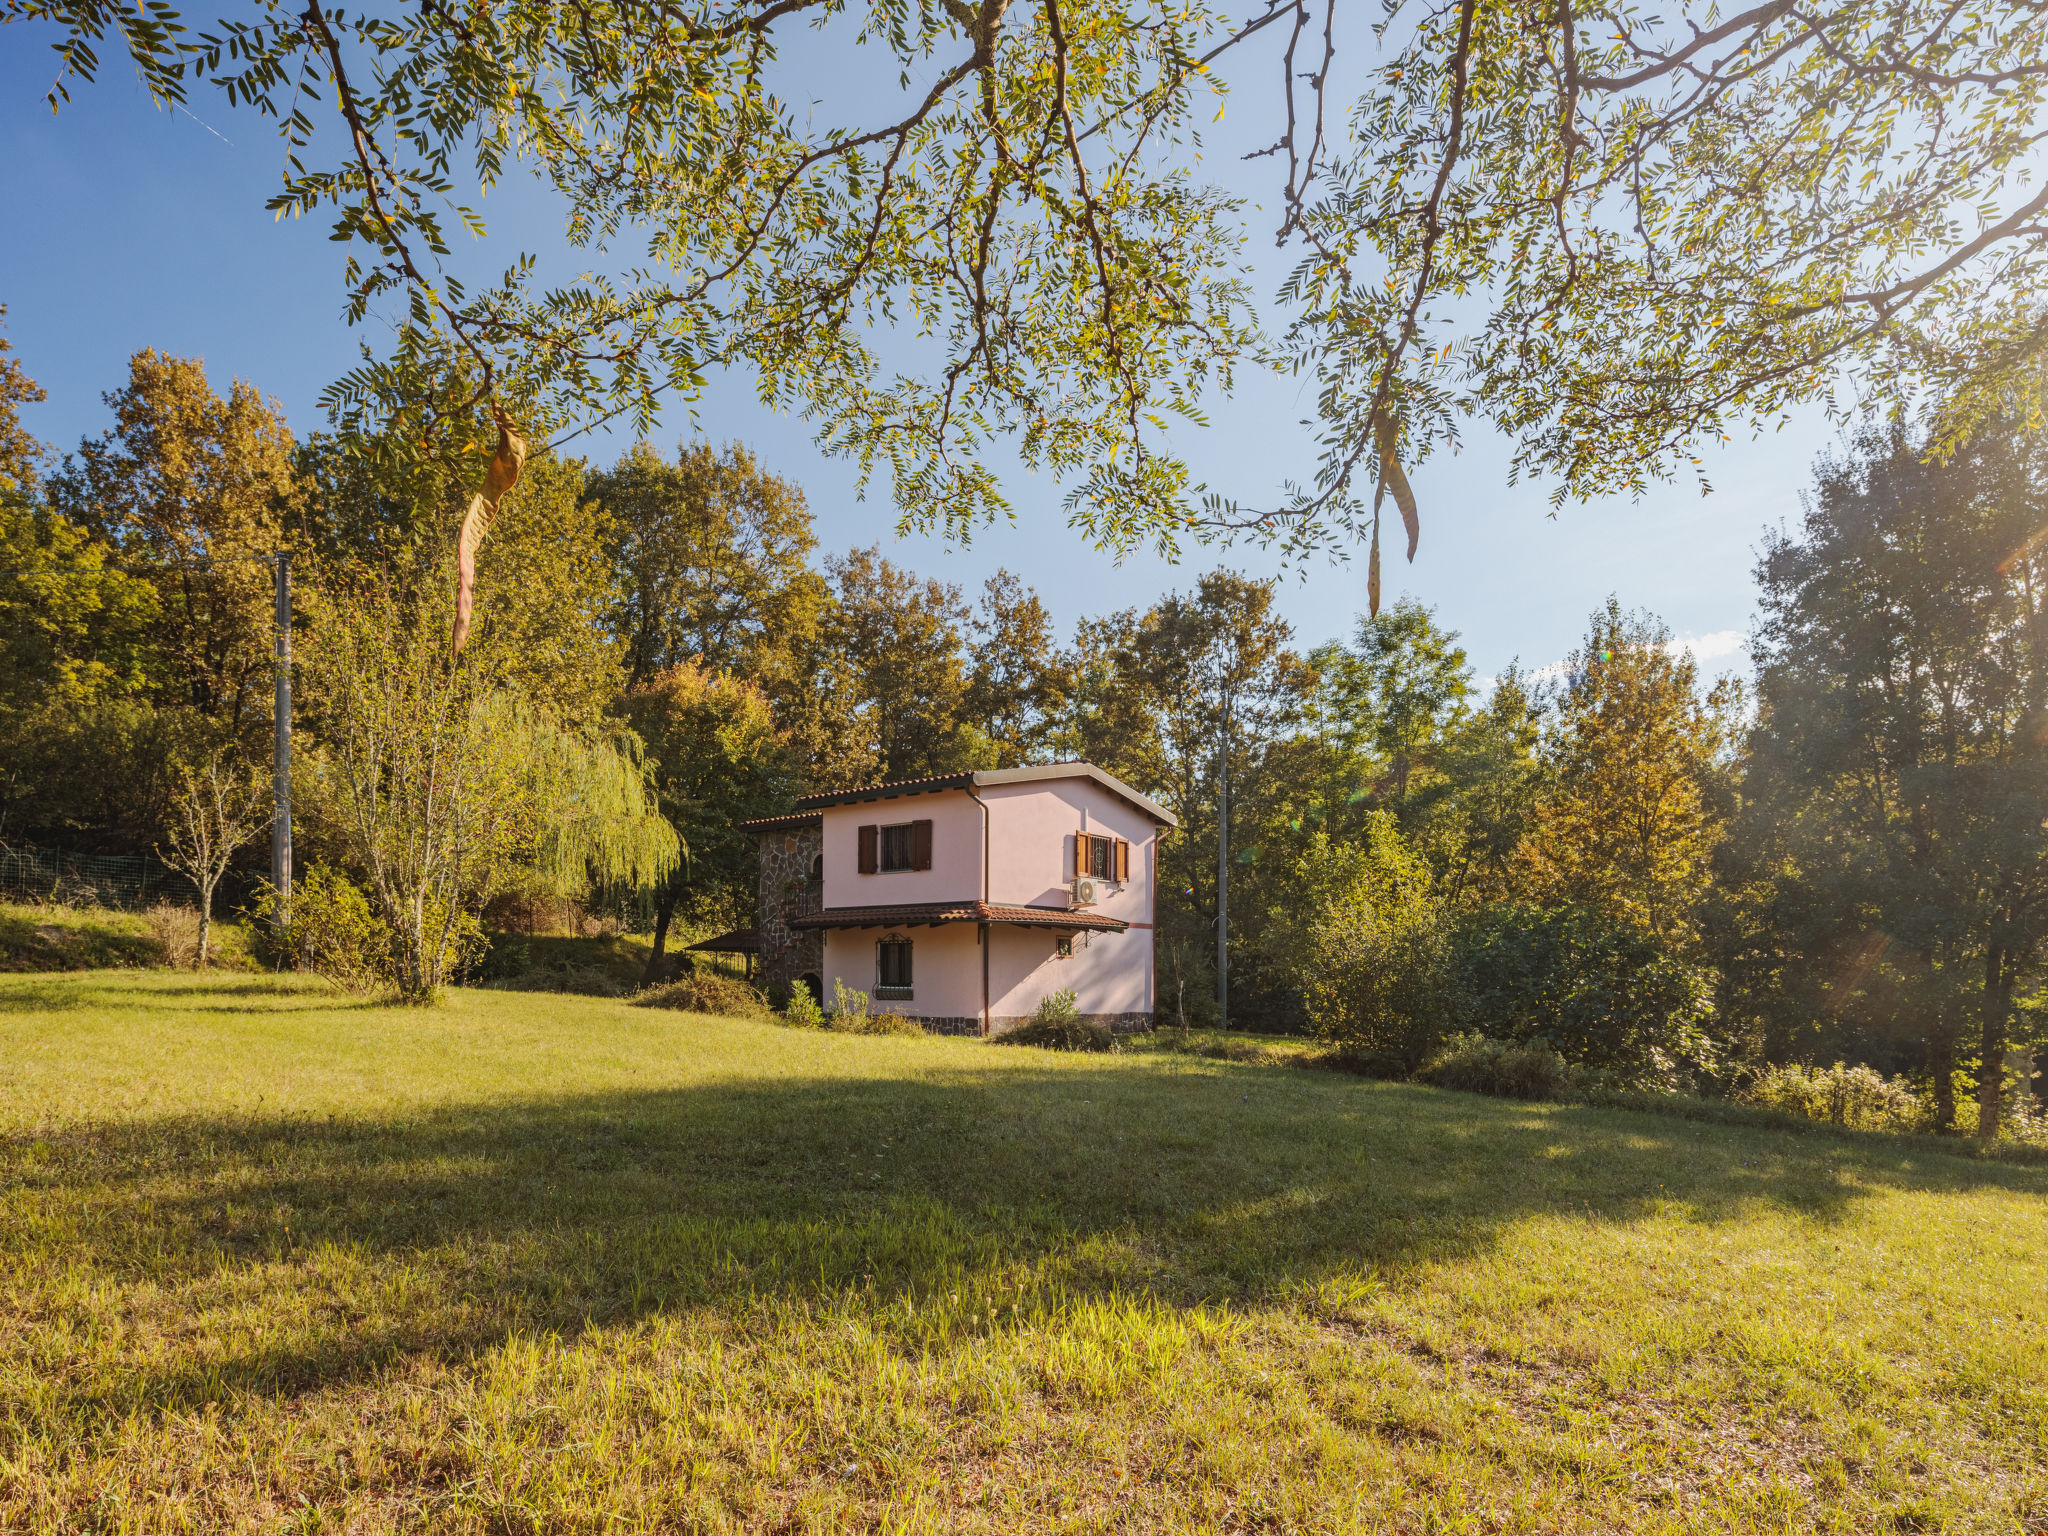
{"x": 933, "y": 913}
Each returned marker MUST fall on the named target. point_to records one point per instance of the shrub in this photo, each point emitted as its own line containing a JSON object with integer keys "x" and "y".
{"x": 1059, "y": 1025}
{"x": 1841, "y": 1095}
{"x": 175, "y": 930}
{"x": 1504, "y": 1068}
{"x": 852, "y": 1014}
{"x": 1601, "y": 991}
{"x": 334, "y": 932}
{"x": 506, "y": 955}
{"x": 1369, "y": 944}
{"x": 707, "y": 992}
{"x": 803, "y": 1010}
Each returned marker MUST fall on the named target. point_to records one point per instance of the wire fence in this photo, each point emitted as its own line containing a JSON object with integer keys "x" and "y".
{"x": 29, "y": 873}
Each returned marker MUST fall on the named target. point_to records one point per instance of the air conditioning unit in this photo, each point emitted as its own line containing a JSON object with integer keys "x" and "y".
{"x": 1084, "y": 892}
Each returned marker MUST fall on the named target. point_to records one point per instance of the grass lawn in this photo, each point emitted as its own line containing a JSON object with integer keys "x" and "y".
{"x": 275, "y": 1260}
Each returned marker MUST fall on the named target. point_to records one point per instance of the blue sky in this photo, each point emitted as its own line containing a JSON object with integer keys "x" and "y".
{"x": 127, "y": 226}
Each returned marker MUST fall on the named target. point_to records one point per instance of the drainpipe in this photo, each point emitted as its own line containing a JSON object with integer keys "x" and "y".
{"x": 982, "y": 928}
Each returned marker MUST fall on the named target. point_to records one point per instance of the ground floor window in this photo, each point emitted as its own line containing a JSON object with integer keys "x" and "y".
{"x": 892, "y": 967}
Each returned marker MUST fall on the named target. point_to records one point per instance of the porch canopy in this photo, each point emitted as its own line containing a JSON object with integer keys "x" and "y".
{"x": 741, "y": 941}
{"x": 936, "y": 914}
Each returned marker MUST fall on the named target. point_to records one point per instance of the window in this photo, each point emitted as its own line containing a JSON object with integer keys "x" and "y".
{"x": 892, "y": 967}
{"x": 887, "y": 850}
{"x": 896, "y": 848}
{"x": 1064, "y": 949}
{"x": 1103, "y": 858}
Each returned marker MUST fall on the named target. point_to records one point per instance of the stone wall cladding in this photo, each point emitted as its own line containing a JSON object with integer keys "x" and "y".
{"x": 960, "y": 1024}
{"x": 787, "y": 891}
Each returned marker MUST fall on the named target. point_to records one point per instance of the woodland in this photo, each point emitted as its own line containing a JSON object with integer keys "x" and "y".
{"x": 1671, "y": 881}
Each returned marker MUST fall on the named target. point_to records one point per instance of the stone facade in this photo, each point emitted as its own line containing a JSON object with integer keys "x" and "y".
{"x": 1119, "y": 1023}
{"x": 790, "y": 888}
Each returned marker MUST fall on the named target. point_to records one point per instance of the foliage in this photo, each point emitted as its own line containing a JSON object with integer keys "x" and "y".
{"x": 73, "y": 630}
{"x": 1368, "y": 944}
{"x": 717, "y": 758}
{"x": 441, "y": 788}
{"x": 707, "y": 992}
{"x": 219, "y": 806}
{"x": 47, "y": 936}
{"x": 1636, "y": 800}
{"x": 198, "y": 491}
{"x": 803, "y": 1010}
{"x": 1059, "y": 1025}
{"x": 1602, "y": 991}
{"x": 1019, "y": 681}
{"x": 333, "y": 931}
{"x": 21, "y": 456}
{"x": 900, "y": 639}
{"x": 1505, "y": 1069}
{"x": 1840, "y": 1095}
{"x": 852, "y": 1013}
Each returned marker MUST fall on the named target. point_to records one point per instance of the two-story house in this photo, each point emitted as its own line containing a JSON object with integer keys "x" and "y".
{"x": 963, "y": 901}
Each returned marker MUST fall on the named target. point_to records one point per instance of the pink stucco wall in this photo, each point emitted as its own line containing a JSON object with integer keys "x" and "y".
{"x": 955, "y": 874}
{"x": 1031, "y": 863}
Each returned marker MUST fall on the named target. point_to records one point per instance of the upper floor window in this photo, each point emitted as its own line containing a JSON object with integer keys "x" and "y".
{"x": 888, "y": 849}
{"x": 1102, "y": 858}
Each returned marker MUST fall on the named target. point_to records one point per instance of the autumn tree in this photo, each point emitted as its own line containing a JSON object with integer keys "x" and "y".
{"x": 21, "y": 455}
{"x": 901, "y": 638}
{"x": 1018, "y": 681}
{"x": 220, "y": 806}
{"x": 197, "y": 491}
{"x": 1638, "y": 797}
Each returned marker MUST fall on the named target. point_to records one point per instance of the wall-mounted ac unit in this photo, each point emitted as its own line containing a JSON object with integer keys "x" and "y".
{"x": 1084, "y": 892}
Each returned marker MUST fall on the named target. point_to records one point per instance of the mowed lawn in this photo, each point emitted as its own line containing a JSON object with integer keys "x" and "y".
{"x": 274, "y": 1260}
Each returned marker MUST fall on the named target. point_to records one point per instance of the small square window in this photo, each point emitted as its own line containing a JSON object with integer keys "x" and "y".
{"x": 1064, "y": 949}
{"x": 892, "y": 968}
{"x": 896, "y": 848}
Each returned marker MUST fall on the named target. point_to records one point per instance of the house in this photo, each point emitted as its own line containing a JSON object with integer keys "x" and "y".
{"x": 962, "y": 901}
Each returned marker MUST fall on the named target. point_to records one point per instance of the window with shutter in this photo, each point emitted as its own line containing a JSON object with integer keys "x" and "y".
{"x": 920, "y": 845}
{"x": 1080, "y": 854}
{"x": 1095, "y": 856}
{"x": 1123, "y": 859}
{"x": 867, "y": 849}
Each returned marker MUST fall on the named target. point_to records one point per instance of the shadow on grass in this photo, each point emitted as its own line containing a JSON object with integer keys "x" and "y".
{"x": 370, "y": 1241}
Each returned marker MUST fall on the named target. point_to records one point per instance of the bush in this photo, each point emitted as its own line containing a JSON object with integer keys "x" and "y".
{"x": 334, "y": 931}
{"x": 1059, "y": 1025}
{"x": 852, "y": 1014}
{"x": 506, "y": 955}
{"x": 803, "y": 1010}
{"x": 707, "y": 992}
{"x": 1840, "y": 1095}
{"x": 1369, "y": 945}
{"x": 1503, "y": 1068}
{"x": 175, "y": 929}
{"x": 1599, "y": 990}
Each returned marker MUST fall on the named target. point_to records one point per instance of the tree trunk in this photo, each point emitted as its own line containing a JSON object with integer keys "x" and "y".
{"x": 205, "y": 925}
{"x": 1991, "y": 1074}
{"x": 664, "y": 914}
{"x": 1944, "y": 1069}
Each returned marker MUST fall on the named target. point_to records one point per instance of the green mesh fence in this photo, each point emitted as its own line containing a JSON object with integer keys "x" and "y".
{"x": 88, "y": 879}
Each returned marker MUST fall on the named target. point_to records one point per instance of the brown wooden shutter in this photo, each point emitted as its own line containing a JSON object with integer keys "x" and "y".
{"x": 920, "y": 845}
{"x": 1080, "y": 854}
{"x": 867, "y": 849}
{"x": 1123, "y": 859}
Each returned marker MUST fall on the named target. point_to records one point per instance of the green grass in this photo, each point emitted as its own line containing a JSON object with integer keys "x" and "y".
{"x": 279, "y": 1261}
{"x": 38, "y": 937}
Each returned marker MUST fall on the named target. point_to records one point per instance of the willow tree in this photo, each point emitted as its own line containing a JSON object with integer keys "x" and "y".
{"x": 1617, "y": 236}
{"x": 442, "y": 786}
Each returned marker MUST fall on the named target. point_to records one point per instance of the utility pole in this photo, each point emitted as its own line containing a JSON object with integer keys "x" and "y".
{"x": 281, "y": 743}
{"x": 1223, "y": 871}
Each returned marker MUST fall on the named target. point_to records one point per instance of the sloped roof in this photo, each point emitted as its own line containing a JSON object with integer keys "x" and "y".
{"x": 991, "y": 776}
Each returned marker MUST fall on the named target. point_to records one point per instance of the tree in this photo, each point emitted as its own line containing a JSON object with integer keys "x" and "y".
{"x": 710, "y": 554}
{"x": 1681, "y": 224}
{"x": 1637, "y": 797}
{"x": 441, "y": 786}
{"x": 219, "y": 807}
{"x": 1897, "y": 768}
{"x": 199, "y": 490}
{"x": 900, "y": 638}
{"x": 719, "y": 759}
{"x": 21, "y": 456}
{"x": 1018, "y": 681}
{"x": 1393, "y": 696}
